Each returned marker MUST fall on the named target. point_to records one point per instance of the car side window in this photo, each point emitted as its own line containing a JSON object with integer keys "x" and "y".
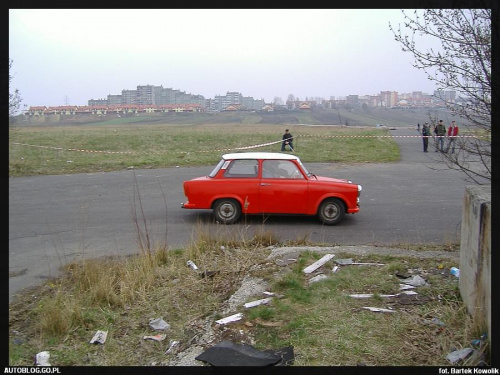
{"x": 280, "y": 169}
{"x": 290, "y": 170}
{"x": 244, "y": 168}
{"x": 270, "y": 169}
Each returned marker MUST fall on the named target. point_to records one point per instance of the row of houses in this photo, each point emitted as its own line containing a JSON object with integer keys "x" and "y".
{"x": 113, "y": 109}
{"x": 134, "y": 109}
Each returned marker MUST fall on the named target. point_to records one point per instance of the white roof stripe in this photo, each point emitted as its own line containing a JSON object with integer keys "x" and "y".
{"x": 259, "y": 155}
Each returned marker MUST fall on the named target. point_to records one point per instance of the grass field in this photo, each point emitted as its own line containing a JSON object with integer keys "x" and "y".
{"x": 42, "y": 150}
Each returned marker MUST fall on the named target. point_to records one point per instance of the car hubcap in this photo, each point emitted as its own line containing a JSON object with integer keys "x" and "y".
{"x": 226, "y": 210}
{"x": 331, "y": 211}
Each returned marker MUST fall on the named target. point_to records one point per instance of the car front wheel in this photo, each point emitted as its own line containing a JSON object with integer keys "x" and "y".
{"x": 331, "y": 211}
{"x": 227, "y": 211}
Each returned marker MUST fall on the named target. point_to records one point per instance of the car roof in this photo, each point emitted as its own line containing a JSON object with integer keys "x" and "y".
{"x": 259, "y": 155}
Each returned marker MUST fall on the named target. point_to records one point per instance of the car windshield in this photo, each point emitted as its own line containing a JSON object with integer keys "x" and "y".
{"x": 216, "y": 169}
{"x": 304, "y": 168}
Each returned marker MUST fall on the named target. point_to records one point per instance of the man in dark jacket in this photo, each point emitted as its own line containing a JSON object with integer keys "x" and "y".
{"x": 287, "y": 140}
{"x": 440, "y": 135}
{"x": 426, "y": 132}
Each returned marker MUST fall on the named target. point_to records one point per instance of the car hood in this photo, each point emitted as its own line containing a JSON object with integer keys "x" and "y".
{"x": 330, "y": 179}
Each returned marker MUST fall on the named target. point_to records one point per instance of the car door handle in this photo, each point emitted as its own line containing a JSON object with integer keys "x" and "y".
{"x": 264, "y": 184}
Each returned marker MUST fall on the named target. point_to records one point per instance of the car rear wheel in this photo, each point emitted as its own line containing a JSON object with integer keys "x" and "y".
{"x": 227, "y": 211}
{"x": 331, "y": 211}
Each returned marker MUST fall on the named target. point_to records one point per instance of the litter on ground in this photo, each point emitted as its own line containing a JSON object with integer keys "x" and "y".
{"x": 313, "y": 267}
{"x": 159, "y": 337}
{"x": 230, "y": 319}
{"x": 414, "y": 281}
{"x": 42, "y": 359}
{"x": 405, "y": 287}
{"x": 349, "y": 262}
{"x": 459, "y": 355}
{"x": 263, "y": 301}
{"x": 99, "y": 337}
{"x": 378, "y": 309}
{"x": 158, "y": 324}
{"x": 172, "y": 346}
{"x": 361, "y": 295}
{"x": 318, "y": 278}
{"x": 227, "y": 353}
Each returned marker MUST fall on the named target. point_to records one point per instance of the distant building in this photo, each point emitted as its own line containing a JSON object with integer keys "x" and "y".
{"x": 93, "y": 102}
{"x": 388, "y": 99}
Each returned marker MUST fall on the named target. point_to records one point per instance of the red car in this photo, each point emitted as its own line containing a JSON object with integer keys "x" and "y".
{"x": 270, "y": 183}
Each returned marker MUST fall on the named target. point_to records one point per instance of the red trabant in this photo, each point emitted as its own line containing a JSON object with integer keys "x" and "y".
{"x": 270, "y": 183}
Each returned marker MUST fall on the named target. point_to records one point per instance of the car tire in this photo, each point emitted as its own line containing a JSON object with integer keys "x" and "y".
{"x": 331, "y": 211}
{"x": 227, "y": 211}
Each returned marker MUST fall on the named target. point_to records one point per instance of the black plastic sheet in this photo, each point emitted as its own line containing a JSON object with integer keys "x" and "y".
{"x": 227, "y": 353}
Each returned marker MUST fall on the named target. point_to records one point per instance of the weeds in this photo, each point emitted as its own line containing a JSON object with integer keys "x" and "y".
{"x": 319, "y": 320}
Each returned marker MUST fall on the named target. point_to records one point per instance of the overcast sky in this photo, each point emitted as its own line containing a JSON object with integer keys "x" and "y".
{"x": 70, "y": 56}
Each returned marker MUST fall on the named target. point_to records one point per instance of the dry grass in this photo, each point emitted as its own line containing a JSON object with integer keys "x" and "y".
{"x": 323, "y": 324}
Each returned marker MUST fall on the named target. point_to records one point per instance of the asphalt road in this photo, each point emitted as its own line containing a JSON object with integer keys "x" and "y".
{"x": 54, "y": 220}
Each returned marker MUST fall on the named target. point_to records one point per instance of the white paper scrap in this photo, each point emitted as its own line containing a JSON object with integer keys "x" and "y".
{"x": 99, "y": 337}
{"x": 42, "y": 359}
{"x": 158, "y": 324}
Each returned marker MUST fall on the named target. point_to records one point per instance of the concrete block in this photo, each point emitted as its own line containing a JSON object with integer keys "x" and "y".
{"x": 475, "y": 254}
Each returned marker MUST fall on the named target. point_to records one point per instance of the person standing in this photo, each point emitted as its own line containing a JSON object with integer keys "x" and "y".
{"x": 452, "y": 137}
{"x": 426, "y": 132}
{"x": 287, "y": 140}
{"x": 434, "y": 134}
{"x": 440, "y": 134}
{"x": 418, "y": 127}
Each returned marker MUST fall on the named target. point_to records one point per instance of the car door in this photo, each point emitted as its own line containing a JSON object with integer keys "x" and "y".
{"x": 241, "y": 180}
{"x": 283, "y": 188}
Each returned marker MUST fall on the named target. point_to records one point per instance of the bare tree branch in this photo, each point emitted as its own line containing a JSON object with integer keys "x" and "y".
{"x": 462, "y": 63}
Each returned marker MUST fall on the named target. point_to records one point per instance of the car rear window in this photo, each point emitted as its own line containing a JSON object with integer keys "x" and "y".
{"x": 244, "y": 168}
